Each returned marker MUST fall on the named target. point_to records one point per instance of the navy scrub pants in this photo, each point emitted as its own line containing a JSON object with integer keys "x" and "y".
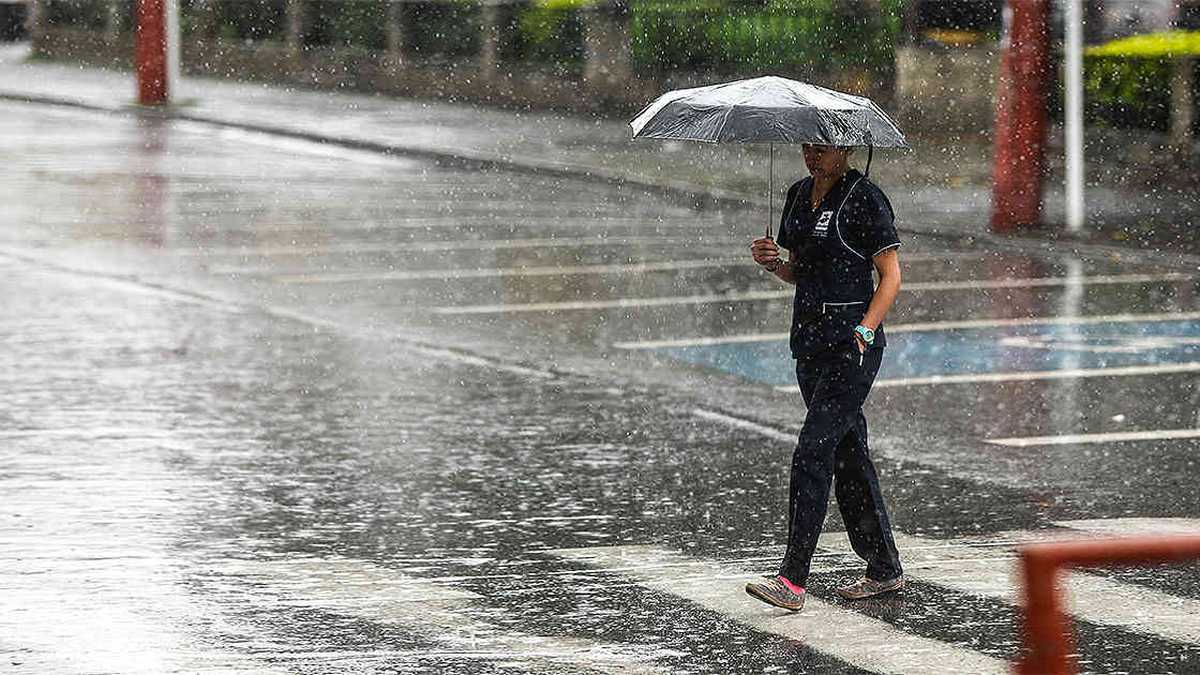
{"x": 833, "y": 445}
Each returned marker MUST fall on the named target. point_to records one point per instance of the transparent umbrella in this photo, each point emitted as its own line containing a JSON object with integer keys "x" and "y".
{"x": 768, "y": 110}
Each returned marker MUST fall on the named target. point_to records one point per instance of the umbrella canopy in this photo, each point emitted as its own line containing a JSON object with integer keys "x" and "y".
{"x": 768, "y": 110}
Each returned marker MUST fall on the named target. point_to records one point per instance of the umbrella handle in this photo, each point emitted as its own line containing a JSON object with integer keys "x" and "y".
{"x": 770, "y": 186}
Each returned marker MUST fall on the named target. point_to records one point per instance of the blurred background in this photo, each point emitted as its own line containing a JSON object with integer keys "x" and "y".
{"x": 931, "y": 63}
{"x": 934, "y": 61}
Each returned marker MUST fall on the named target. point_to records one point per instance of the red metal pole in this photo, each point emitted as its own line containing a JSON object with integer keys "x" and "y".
{"x": 1021, "y": 115}
{"x": 150, "y": 52}
{"x": 1045, "y": 628}
{"x": 1046, "y": 631}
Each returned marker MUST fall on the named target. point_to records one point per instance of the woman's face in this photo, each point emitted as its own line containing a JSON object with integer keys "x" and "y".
{"x": 826, "y": 160}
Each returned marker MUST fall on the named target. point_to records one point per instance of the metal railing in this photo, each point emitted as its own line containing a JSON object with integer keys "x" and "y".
{"x": 1047, "y": 634}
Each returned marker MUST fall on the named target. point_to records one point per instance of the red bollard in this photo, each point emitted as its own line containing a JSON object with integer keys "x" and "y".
{"x": 1021, "y": 116}
{"x": 150, "y": 52}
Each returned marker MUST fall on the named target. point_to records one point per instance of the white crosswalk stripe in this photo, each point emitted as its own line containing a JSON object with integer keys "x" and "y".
{"x": 990, "y": 571}
{"x": 842, "y": 633}
{"x": 1124, "y": 527}
{"x": 982, "y": 566}
{"x": 359, "y": 589}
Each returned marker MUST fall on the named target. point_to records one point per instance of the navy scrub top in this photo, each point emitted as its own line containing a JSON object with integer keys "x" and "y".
{"x": 832, "y": 248}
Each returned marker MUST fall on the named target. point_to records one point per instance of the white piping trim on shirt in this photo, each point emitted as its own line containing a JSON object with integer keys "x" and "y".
{"x": 840, "y": 304}
{"x": 895, "y": 245}
{"x": 836, "y": 221}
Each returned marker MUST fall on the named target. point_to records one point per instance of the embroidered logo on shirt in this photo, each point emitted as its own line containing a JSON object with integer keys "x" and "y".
{"x": 821, "y": 229}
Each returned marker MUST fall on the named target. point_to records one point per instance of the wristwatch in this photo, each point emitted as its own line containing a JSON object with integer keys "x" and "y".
{"x": 773, "y": 265}
{"x": 867, "y": 335}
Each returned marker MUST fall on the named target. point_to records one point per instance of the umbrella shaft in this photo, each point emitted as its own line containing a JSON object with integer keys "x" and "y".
{"x": 770, "y": 186}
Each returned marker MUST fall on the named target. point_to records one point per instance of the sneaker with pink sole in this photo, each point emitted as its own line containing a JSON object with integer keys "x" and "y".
{"x": 777, "y": 591}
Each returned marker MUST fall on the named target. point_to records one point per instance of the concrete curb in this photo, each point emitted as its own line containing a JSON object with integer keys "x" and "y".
{"x": 672, "y": 189}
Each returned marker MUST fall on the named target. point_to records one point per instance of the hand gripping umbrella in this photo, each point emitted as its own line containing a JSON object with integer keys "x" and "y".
{"x": 768, "y": 110}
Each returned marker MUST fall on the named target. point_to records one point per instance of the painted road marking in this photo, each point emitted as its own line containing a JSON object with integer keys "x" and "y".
{"x": 473, "y": 360}
{"x": 844, "y": 634}
{"x": 1064, "y": 374}
{"x": 978, "y": 570}
{"x": 1035, "y": 282}
{"x": 753, "y": 296}
{"x": 359, "y": 589}
{"x": 619, "y": 303}
{"x": 436, "y": 352}
{"x": 1134, "y": 526}
{"x": 494, "y": 272}
{"x": 451, "y": 245}
{"x": 1111, "y": 437}
{"x": 480, "y": 273}
{"x": 1128, "y": 345}
{"x": 121, "y": 283}
{"x": 925, "y": 326}
{"x": 740, "y": 423}
{"x": 137, "y": 286}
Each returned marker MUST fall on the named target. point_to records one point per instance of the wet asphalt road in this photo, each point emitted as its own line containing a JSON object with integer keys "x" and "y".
{"x": 276, "y": 407}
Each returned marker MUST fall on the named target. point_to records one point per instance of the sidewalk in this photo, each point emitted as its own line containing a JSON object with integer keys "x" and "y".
{"x": 940, "y": 188}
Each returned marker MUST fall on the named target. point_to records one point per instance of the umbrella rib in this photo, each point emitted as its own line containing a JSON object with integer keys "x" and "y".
{"x": 757, "y": 86}
{"x": 725, "y": 119}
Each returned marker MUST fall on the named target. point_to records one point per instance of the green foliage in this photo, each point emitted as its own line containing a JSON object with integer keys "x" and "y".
{"x": 1152, "y": 45}
{"x": 550, "y": 32}
{"x": 776, "y": 35}
{"x": 448, "y": 30}
{"x": 348, "y": 23}
{"x": 1128, "y": 92}
{"x": 82, "y": 14}
{"x": 250, "y": 19}
{"x": 1127, "y": 81}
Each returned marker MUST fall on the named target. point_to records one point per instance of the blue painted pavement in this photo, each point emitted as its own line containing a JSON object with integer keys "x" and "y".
{"x": 978, "y": 350}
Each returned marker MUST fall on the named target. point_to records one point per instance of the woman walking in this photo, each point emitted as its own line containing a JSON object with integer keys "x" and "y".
{"x": 837, "y": 227}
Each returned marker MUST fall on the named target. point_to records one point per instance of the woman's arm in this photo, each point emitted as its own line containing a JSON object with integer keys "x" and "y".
{"x": 766, "y": 252}
{"x": 784, "y": 272}
{"x": 887, "y": 264}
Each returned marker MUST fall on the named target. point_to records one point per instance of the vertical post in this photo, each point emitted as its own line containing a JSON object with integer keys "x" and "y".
{"x": 395, "y": 31}
{"x": 207, "y": 20}
{"x": 171, "y": 7}
{"x": 150, "y": 52}
{"x": 489, "y": 47}
{"x": 1073, "y": 122}
{"x": 35, "y": 24}
{"x": 112, "y": 21}
{"x": 1182, "y": 105}
{"x": 608, "y": 55}
{"x": 1021, "y": 115}
{"x": 1093, "y": 21}
{"x": 1044, "y": 625}
{"x": 293, "y": 11}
